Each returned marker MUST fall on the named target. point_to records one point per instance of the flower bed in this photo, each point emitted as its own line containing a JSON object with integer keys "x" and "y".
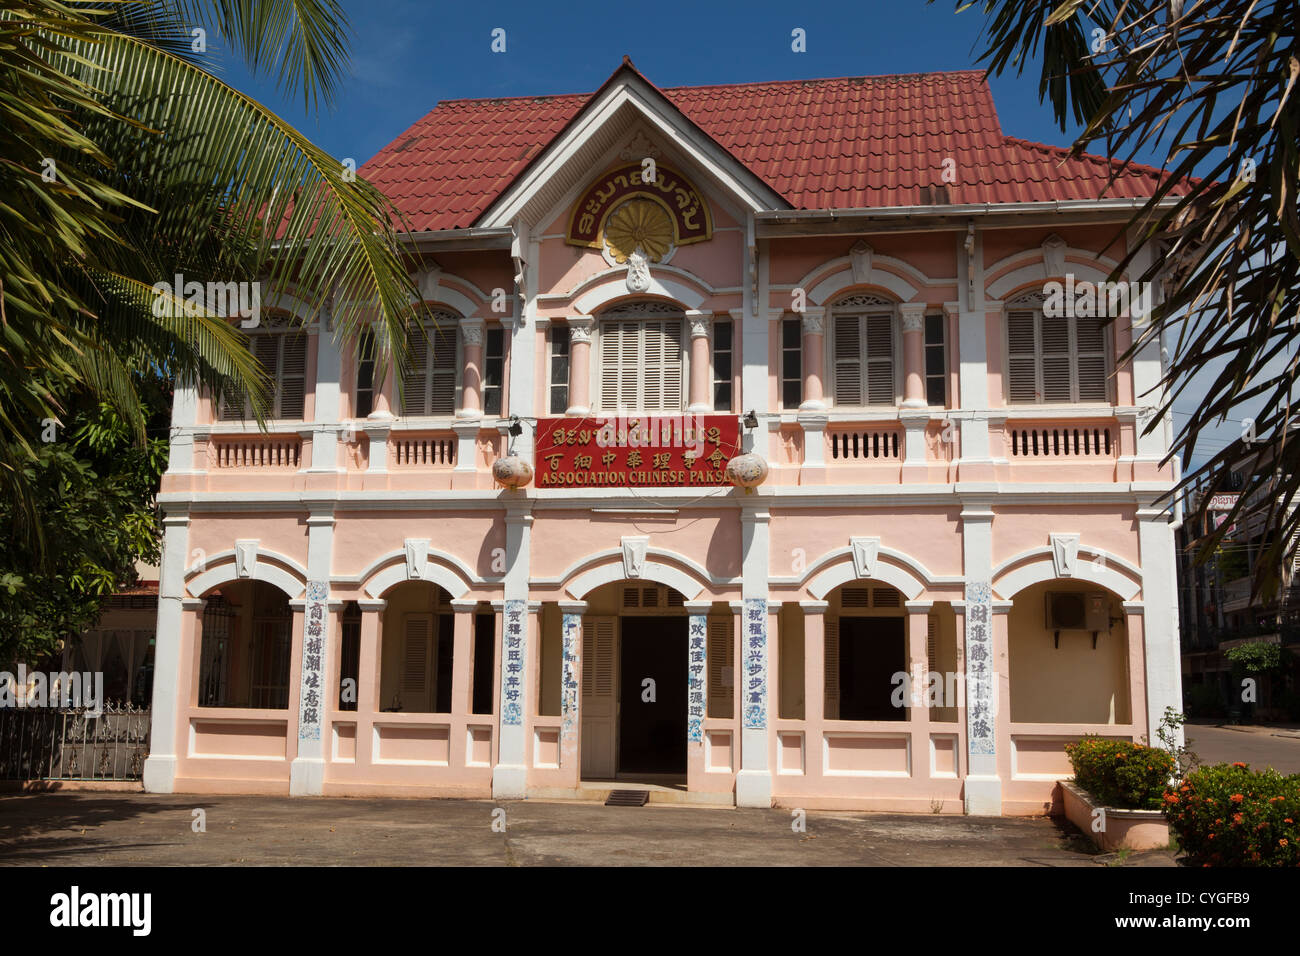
{"x": 1117, "y": 793}
{"x": 1230, "y": 815}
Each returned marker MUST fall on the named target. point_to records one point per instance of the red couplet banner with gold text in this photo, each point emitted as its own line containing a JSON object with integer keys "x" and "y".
{"x": 672, "y": 451}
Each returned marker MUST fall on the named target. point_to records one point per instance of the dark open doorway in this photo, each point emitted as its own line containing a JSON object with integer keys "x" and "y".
{"x": 872, "y": 651}
{"x": 652, "y": 733}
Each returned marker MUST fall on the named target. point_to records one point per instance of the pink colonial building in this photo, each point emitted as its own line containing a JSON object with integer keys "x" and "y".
{"x": 847, "y": 282}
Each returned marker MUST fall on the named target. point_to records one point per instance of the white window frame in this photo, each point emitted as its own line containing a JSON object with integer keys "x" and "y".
{"x": 447, "y": 320}
{"x": 896, "y": 343}
{"x": 281, "y": 327}
{"x": 640, "y": 312}
{"x": 1033, "y": 302}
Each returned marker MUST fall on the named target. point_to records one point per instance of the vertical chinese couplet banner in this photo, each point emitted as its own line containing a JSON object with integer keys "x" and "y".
{"x": 755, "y": 663}
{"x": 979, "y": 668}
{"x": 512, "y": 670}
{"x": 572, "y": 642}
{"x": 696, "y": 683}
{"x": 313, "y": 657}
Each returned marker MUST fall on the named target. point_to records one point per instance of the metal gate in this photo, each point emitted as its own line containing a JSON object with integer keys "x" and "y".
{"x": 69, "y": 744}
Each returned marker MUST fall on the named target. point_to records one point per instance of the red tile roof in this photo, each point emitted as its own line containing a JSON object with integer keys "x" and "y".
{"x": 855, "y": 142}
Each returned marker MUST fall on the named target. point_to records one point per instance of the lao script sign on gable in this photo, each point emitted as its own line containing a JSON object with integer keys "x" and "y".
{"x": 670, "y": 189}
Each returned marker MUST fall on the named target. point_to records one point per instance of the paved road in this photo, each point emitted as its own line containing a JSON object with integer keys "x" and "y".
{"x": 1259, "y": 747}
{"x": 110, "y": 829}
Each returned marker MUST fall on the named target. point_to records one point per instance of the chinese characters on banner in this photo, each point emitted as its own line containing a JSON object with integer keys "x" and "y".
{"x": 979, "y": 668}
{"x": 512, "y": 670}
{"x": 675, "y": 451}
{"x": 755, "y": 663}
{"x": 313, "y": 656}
{"x": 569, "y": 683}
{"x": 696, "y": 686}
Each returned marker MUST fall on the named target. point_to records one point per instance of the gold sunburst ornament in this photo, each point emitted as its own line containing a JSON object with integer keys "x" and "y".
{"x": 639, "y": 223}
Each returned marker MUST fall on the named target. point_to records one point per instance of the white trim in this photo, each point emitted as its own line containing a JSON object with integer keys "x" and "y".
{"x": 226, "y": 573}
{"x": 612, "y": 285}
{"x": 376, "y": 583}
{"x": 1035, "y": 271}
{"x": 1044, "y": 570}
{"x": 844, "y": 572}
{"x": 616, "y": 554}
{"x": 1046, "y": 552}
{"x": 843, "y": 280}
{"x": 840, "y": 277}
{"x": 680, "y": 581}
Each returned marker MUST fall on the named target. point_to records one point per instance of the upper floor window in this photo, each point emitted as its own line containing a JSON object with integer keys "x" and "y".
{"x": 936, "y": 360}
{"x": 791, "y": 362}
{"x": 642, "y": 356}
{"x": 723, "y": 352}
{"x": 494, "y": 364}
{"x": 559, "y": 382}
{"x": 365, "y": 401}
{"x": 863, "y": 344}
{"x": 430, "y": 379}
{"x": 1054, "y": 358}
{"x": 280, "y": 345}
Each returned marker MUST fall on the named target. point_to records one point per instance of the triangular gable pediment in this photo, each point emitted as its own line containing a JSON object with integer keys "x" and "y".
{"x": 626, "y": 106}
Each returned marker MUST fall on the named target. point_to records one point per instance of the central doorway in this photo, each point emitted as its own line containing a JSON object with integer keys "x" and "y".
{"x": 652, "y": 695}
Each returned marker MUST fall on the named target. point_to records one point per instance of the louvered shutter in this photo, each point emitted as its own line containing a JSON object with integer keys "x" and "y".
{"x": 618, "y": 378}
{"x": 931, "y": 642}
{"x": 1055, "y": 336}
{"x": 848, "y": 360}
{"x": 598, "y": 658}
{"x": 442, "y": 371}
{"x": 662, "y": 366}
{"x": 266, "y": 349}
{"x": 719, "y": 654}
{"x": 1090, "y": 359}
{"x": 1022, "y": 355}
{"x": 415, "y": 659}
{"x": 291, "y": 379}
{"x": 415, "y": 381}
{"x": 831, "y": 669}
{"x": 880, "y": 359}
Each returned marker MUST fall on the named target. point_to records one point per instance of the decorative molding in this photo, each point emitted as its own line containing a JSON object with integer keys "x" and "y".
{"x": 634, "y": 553}
{"x": 860, "y": 254}
{"x": 417, "y": 558}
{"x": 1065, "y": 554}
{"x": 581, "y": 328}
{"x": 246, "y": 557}
{"x": 471, "y": 331}
{"x": 913, "y": 315}
{"x": 814, "y": 322}
{"x": 866, "y": 551}
{"x": 1054, "y": 255}
{"x": 428, "y": 280}
{"x": 639, "y": 147}
{"x": 699, "y": 323}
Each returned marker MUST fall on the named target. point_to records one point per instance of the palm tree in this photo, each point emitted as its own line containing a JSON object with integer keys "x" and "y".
{"x": 124, "y": 161}
{"x": 1213, "y": 89}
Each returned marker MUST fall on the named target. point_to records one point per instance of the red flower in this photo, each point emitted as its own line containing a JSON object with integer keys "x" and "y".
{"x": 1239, "y": 764}
{"x": 1237, "y": 798}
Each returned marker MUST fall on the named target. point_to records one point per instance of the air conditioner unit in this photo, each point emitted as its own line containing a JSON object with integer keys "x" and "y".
{"x": 1077, "y": 611}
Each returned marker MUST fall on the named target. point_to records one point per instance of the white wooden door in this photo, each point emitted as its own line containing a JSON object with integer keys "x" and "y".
{"x": 599, "y": 696}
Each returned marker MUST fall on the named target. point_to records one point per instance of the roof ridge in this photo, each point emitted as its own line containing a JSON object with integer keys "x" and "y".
{"x": 1065, "y": 151}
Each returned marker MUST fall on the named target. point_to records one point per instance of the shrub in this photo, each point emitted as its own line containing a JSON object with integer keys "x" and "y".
{"x": 1118, "y": 773}
{"x": 1230, "y": 815}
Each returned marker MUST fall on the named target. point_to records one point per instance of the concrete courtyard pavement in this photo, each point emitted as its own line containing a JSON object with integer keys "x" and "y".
{"x": 125, "y": 829}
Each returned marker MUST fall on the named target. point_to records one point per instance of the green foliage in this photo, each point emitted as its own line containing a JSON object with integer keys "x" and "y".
{"x": 1172, "y": 741}
{"x": 93, "y": 489}
{"x": 1119, "y": 773}
{"x": 1257, "y": 657}
{"x": 1229, "y": 815}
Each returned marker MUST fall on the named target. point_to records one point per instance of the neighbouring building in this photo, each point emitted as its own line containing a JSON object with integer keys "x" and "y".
{"x": 856, "y": 280}
{"x": 1219, "y": 610}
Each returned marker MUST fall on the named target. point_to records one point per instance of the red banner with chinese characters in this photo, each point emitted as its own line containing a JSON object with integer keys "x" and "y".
{"x": 666, "y": 451}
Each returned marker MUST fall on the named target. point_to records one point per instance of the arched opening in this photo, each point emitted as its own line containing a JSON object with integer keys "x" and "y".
{"x": 416, "y": 650}
{"x": 245, "y": 649}
{"x": 1068, "y": 655}
{"x": 634, "y": 685}
{"x": 866, "y": 650}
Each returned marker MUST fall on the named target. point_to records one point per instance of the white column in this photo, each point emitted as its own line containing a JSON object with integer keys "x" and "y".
{"x": 307, "y": 772}
{"x": 754, "y": 780}
{"x": 1164, "y": 676}
{"x": 972, "y": 349}
{"x": 160, "y": 765}
{"x": 471, "y": 331}
{"x": 523, "y": 341}
{"x": 913, "y": 354}
{"x": 329, "y": 365}
{"x": 983, "y": 785}
{"x": 756, "y": 326}
{"x": 813, "y": 327}
{"x": 509, "y": 777}
{"x": 580, "y": 329}
{"x": 185, "y": 415}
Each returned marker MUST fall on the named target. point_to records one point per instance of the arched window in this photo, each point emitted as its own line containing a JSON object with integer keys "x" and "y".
{"x": 1054, "y": 358}
{"x": 863, "y": 343}
{"x": 280, "y": 345}
{"x": 642, "y": 357}
{"x": 430, "y": 377}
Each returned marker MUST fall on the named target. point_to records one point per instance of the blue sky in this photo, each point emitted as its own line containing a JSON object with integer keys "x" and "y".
{"x": 409, "y": 54}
